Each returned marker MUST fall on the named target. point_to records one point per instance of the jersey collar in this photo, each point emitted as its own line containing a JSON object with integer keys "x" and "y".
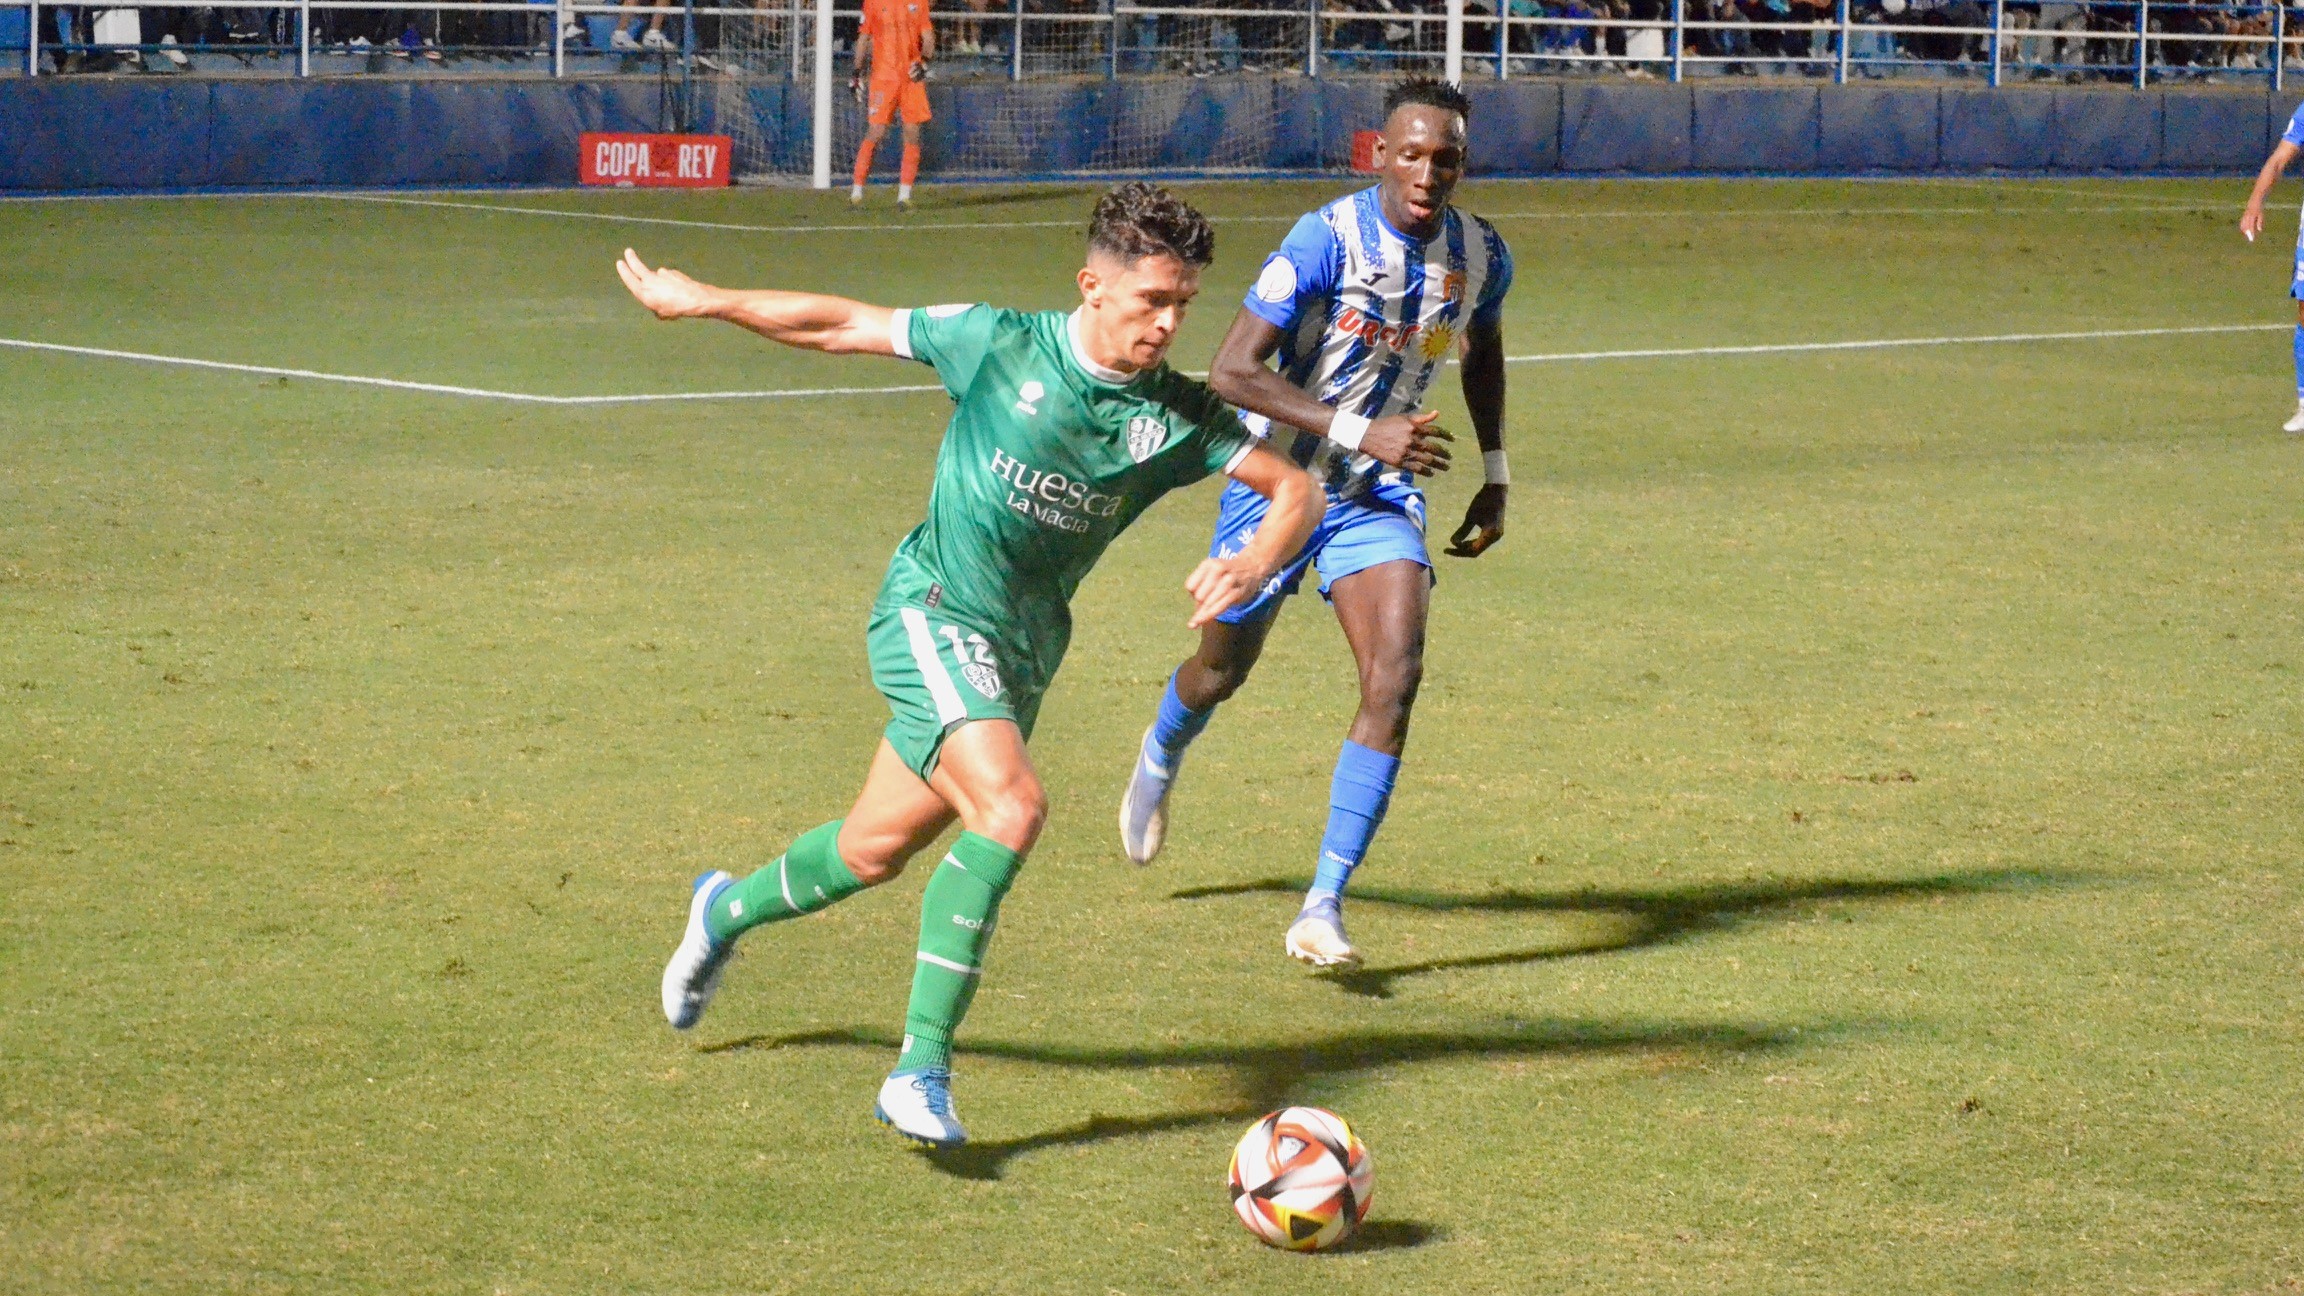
{"x": 1080, "y": 355}
{"x": 1376, "y": 200}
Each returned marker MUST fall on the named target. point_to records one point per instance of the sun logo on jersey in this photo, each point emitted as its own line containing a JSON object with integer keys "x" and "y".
{"x": 1145, "y": 437}
{"x": 1436, "y": 341}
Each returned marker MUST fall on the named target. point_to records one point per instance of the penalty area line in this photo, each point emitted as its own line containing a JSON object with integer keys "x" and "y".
{"x": 790, "y": 393}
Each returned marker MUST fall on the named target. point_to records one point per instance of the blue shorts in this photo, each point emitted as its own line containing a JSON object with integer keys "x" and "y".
{"x": 1384, "y": 525}
{"x": 2296, "y": 283}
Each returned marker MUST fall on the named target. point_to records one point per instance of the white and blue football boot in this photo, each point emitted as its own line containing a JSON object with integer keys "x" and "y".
{"x": 918, "y": 1105}
{"x": 1144, "y": 806}
{"x": 694, "y": 972}
{"x": 1317, "y": 936}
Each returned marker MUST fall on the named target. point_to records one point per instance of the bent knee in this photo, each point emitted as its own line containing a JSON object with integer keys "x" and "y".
{"x": 875, "y": 857}
{"x": 1392, "y": 685}
{"x": 1014, "y": 817}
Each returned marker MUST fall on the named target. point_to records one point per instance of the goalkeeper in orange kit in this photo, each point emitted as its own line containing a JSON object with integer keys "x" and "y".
{"x": 897, "y": 39}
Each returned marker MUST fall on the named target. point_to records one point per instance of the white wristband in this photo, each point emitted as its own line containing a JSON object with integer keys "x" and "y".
{"x": 1347, "y": 429}
{"x": 1498, "y": 473}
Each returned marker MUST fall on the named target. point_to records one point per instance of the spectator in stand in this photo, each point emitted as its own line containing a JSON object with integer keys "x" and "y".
{"x": 654, "y": 39}
{"x": 2116, "y": 16}
{"x": 1724, "y": 42}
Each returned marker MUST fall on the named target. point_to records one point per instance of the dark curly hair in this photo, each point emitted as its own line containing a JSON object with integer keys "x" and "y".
{"x": 1429, "y": 92}
{"x": 1137, "y": 220}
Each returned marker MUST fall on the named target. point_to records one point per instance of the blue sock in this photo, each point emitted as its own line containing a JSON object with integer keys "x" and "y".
{"x": 2300, "y": 362}
{"x": 1356, "y": 801}
{"x": 1174, "y": 728}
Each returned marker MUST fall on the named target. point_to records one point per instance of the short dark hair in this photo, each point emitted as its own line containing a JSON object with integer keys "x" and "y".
{"x": 1137, "y": 220}
{"x": 1428, "y": 92}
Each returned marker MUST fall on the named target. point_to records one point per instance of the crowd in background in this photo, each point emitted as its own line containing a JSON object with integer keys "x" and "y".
{"x": 2067, "y": 38}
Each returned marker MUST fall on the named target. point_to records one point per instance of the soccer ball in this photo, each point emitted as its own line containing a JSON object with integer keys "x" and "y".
{"x": 1301, "y": 1180}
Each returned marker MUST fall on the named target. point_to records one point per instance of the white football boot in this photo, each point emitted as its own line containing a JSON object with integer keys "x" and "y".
{"x": 2296, "y": 422}
{"x": 918, "y": 1105}
{"x": 1144, "y": 806}
{"x": 693, "y": 975}
{"x": 1317, "y": 937}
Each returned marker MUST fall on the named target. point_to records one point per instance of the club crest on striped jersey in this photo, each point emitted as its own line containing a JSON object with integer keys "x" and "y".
{"x": 982, "y": 678}
{"x": 1145, "y": 437}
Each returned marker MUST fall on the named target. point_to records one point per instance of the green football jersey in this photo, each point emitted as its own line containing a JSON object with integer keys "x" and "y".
{"x": 1047, "y": 458}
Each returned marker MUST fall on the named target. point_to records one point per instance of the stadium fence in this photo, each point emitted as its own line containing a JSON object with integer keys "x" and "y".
{"x": 736, "y": 51}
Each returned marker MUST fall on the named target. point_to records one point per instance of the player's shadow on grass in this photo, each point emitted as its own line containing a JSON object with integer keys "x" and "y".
{"x": 1257, "y": 1078}
{"x": 1644, "y": 917}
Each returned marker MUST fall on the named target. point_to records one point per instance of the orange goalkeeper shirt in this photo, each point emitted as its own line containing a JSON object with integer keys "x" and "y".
{"x": 896, "y": 28}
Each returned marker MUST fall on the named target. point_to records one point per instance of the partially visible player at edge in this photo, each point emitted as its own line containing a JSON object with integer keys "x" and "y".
{"x": 1066, "y": 427}
{"x": 2252, "y": 224}
{"x": 1364, "y": 301}
{"x": 895, "y": 40}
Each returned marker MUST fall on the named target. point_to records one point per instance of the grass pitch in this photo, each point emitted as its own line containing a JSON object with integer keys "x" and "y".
{"x": 1849, "y": 841}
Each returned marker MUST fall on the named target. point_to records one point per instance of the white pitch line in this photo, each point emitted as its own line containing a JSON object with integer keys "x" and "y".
{"x": 1881, "y": 344}
{"x": 787, "y": 393}
{"x": 1728, "y": 213}
{"x": 445, "y": 389}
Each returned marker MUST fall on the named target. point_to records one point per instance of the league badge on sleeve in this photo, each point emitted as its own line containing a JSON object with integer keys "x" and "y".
{"x": 1278, "y": 282}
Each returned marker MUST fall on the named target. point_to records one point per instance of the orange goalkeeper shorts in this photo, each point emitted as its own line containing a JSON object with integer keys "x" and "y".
{"x": 909, "y": 98}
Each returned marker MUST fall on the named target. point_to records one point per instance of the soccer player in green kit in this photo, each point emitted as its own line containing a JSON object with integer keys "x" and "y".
{"x": 1066, "y": 427}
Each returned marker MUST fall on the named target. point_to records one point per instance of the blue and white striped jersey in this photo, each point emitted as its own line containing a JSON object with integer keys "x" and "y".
{"x": 1368, "y": 315}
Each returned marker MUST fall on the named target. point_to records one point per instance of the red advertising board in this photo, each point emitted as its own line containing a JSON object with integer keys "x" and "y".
{"x": 1364, "y": 150}
{"x": 686, "y": 161}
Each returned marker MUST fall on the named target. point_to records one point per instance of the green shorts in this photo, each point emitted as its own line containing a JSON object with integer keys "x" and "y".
{"x": 937, "y": 675}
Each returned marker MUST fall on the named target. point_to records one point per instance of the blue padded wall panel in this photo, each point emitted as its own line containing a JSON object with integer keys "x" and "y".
{"x": 1624, "y": 128}
{"x": 2001, "y": 130}
{"x": 1347, "y": 105}
{"x": 102, "y": 134}
{"x": 1878, "y": 128}
{"x": 1515, "y": 127}
{"x": 2213, "y": 130}
{"x": 1755, "y": 128}
{"x": 2106, "y": 130}
{"x": 258, "y": 135}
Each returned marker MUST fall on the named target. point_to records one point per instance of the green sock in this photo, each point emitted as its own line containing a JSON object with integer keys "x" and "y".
{"x": 957, "y": 914}
{"x": 807, "y": 877}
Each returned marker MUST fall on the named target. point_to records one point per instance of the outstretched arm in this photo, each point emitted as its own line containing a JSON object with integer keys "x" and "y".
{"x": 1484, "y": 399}
{"x": 2252, "y": 216}
{"x": 1297, "y": 503}
{"x": 807, "y": 320}
{"x": 1240, "y": 376}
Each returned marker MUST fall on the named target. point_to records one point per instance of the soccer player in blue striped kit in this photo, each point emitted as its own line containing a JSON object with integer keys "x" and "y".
{"x": 2252, "y": 224}
{"x": 1365, "y": 300}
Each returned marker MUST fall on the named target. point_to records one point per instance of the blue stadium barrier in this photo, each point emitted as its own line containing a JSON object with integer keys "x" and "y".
{"x": 1997, "y": 130}
{"x": 2106, "y": 130}
{"x": 1878, "y": 128}
{"x": 1756, "y": 128}
{"x": 1516, "y": 128}
{"x": 88, "y": 133}
{"x": 2208, "y": 132}
{"x": 1635, "y": 128}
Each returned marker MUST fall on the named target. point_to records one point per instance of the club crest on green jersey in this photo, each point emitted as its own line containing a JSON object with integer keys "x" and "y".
{"x": 982, "y": 677}
{"x": 1145, "y": 437}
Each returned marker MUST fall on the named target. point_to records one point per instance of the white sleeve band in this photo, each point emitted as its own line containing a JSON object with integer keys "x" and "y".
{"x": 1347, "y": 429}
{"x": 1498, "y": 473}
{"x": 1247, "y": 448}
{"x": 900, "y": 333}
